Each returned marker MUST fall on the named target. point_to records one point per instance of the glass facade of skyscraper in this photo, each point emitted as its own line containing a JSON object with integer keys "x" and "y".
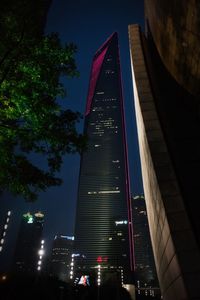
{"x": 103, "y": 232}
{"x": 61, "y": 256}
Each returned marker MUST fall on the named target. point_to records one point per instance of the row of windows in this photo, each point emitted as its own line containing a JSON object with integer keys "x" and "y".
{"x": 109, "y": 72}
{"x": 105, "y": 192}
{"x": 100, "y": 133}
{"x": 106, "y": 100}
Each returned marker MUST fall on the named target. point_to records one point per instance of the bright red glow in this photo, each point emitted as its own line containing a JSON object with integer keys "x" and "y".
{"x": 99, "y": 259}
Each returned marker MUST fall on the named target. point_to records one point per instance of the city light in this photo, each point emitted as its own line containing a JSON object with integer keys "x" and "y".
{"x": 121, "y": 222}
{"x": 41, "y": 252}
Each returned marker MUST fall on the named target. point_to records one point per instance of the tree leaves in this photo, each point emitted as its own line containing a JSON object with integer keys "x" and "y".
{"x": 31, "y": 119}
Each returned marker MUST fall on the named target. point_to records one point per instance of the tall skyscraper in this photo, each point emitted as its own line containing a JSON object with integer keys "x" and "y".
{"x": 145, "y": 272}
{"x": 103, "y": 231}
{"x": 29, "y": 247}
{"x": 165, "y": 67}
{"x": 61, "y": 256}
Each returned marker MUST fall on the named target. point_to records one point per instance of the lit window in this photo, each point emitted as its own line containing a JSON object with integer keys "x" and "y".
{"x": 108, "y": 192}
{"x": 41, "y": 252}
{"x": 5, "y": 226}
{"x": 121, "y": 222}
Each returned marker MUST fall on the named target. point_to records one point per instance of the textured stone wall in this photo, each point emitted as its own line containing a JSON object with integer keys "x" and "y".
{"x": 176, "y": 253}
{"x": 175, "y": 26}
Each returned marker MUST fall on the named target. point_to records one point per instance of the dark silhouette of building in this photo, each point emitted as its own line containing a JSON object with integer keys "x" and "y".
{"x": 61, "y": 257}
{"x": 103, "y": 231}
{"x": 145, "y": 271}
{"x": 166, "y": 89}
{"x": 29, "y": 246}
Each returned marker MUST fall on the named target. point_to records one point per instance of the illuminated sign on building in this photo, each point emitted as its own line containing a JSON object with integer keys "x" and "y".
{"x": 84, "y": 280}
{"x": 121, "y": 222}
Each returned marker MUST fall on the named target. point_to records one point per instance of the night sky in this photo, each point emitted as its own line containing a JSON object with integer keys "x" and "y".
{"x": 88, "y": 24}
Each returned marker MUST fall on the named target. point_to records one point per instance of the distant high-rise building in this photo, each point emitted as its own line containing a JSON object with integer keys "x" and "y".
{"x": 166, "y": 74}
{"x": 145, "y": 272}
{"x": 30, "y": 246}
{"x": 103, "y": 231}
{"x": 61, "y": 256}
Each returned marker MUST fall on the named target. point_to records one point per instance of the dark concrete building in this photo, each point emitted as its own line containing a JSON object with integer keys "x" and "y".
{"x": 29, "y": 246}
{"x": 168, "y": 123}
{"x": 145, "y": 272}
{"x": 103, "y": 231}
{"x": 61, "y": 257}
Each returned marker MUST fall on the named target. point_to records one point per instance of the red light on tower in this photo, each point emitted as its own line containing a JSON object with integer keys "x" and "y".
{"x": 99, "y": 259}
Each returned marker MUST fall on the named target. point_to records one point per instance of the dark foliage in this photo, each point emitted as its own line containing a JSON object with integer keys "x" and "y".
{"x": 32, "y": 122}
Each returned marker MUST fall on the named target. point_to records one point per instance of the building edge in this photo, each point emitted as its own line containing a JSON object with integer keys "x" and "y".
{"x": 176, "y": 261}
